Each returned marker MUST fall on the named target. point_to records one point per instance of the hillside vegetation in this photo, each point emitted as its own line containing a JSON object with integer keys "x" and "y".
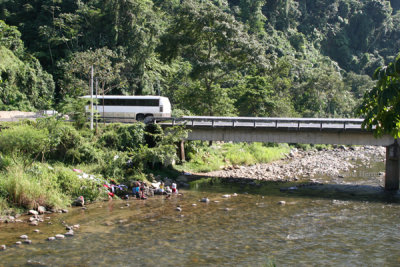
{"x": 304, "y": 58}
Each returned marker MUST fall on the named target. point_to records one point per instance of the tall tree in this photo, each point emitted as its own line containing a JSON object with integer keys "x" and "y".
{"x": 77, "y": 72}
{"x": 24, "y": 85}
{"x": 381, "y": 105}
{"x": 215, "y": 44}
{"x": 135, "y": 29}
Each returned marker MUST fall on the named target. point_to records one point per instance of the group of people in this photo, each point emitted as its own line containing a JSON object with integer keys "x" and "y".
{"x": 139, "y": 189}
{"x": 116, "y": 189}
{"x": 165, "y": 190}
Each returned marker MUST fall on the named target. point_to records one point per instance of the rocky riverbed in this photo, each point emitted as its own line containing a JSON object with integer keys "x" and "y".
{"x": 300, "y": 164}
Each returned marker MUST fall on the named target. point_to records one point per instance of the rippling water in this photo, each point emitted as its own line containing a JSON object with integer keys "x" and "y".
{"x": 330, "y": 225}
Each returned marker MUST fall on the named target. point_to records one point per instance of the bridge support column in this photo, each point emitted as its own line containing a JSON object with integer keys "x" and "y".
{"x": 182, "y": 151}
{"x": 392, "y": 167}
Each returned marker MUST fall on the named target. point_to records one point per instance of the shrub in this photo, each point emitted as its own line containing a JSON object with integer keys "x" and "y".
{"x": 74, "y": 185}
{"x": 86, "y": 152}
{"x": 130, "y": 136}
{"x": 24, "y": 140}
{"x": 123, "y": 137}
{"x": 26, "y": 191}
{"x": 3, "y": 205}
{"x": 114, "y": 164}
{"x": 5, "y": 161}
{"x": 62, "y": 137}
{"x": 153, "y": 134}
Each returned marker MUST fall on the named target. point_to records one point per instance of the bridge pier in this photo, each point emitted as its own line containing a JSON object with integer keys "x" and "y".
{"x": 392, "y": 167}
{"x": 182, "y": 151}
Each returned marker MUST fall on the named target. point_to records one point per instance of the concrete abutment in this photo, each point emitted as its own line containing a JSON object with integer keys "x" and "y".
{"x": 392, "y": 177}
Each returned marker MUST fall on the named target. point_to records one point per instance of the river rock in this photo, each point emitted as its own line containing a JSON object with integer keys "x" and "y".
{"x": 69, "y": 233}
{"x": 60, "y": 236}
{"x": 76, "y": 226}
{"x": 282, "y": 202}
{"x": 178, "y": 209}
{"x": 205, "y": 199}
{"x": 226, "y": 196}
{"x": 23, "y": 237}
{"x": 51, "y": 238}
{"x": 8, "y": 221}
{"x": 3, "y": 247}
{"x": 36, "y": 231}
{"x": 64, "y": 211}
{"x": 33, "y": 212}
{"x": 41, "y": 209}
{"x": 27, "y": 241}
{"x": 34, "y": 223}
{"x": 18, "y": 243}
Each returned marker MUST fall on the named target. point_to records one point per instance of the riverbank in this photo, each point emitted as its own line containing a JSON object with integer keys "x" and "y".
{"x": 307, "y": 164}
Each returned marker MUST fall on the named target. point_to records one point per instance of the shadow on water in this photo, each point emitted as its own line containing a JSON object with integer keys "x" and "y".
{"x": 299, "y": 189}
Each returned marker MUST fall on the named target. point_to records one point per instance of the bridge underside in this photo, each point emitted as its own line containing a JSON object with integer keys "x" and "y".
{"x": 288, "y": 135}
{"x": 307, "y": 136}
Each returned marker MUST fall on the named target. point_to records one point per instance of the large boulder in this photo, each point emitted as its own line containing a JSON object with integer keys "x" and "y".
{"x": 41, "y": 209}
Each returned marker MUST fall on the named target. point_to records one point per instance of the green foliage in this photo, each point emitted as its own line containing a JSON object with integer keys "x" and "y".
{"x": 25, "y": 141}
{"x": 123, "y": 137}
{"x": 75, "y": 108}
{"x": 215, "y": 45}
{"x": 114, "y": 165}
{"x": 77, "y": 72}
{"x": 381, "y": 105}
{"x": 209, "y": 57}
{"x": 203, "y": 158}
{"x": 27, "y": 190}
{"x": 153, "y": 134}
{"x": 10, "y": 38}
{"x": 24, "y": 85}
{"x": 74, "y": 185}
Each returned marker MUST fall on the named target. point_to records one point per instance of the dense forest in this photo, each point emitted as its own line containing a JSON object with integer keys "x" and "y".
{"x": 304, "y": 58}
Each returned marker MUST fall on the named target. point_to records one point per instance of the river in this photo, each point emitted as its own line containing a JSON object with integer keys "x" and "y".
{"x": 348, "y": 223}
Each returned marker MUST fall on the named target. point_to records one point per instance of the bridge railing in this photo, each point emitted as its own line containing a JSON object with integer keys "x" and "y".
{"x": 255, "y": 122}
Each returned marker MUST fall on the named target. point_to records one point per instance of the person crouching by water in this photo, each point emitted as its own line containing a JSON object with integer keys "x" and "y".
{"x": 174, "y": 189}
{"x": 136, "y": 189}
{"x": 142, "y": 189}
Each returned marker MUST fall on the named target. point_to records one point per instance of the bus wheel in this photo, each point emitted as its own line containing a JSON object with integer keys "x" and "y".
{"x": 148, "y": 118}
{"x": 140, "y": 117}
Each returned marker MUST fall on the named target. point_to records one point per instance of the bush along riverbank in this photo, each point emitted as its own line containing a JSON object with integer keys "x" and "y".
{"x": 39, "y": 161}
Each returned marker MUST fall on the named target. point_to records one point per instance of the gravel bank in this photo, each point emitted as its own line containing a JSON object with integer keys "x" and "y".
{"x": 299, "y": 164}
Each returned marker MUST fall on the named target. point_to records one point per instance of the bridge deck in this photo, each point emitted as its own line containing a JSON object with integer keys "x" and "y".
{"x": 279, "y": 130}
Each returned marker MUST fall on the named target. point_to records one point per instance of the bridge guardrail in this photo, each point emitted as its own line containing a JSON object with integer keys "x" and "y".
{"x": 298, "y": 123}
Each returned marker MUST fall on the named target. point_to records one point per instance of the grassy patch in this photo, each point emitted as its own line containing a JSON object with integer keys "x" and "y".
{"x": 205, "y": 158}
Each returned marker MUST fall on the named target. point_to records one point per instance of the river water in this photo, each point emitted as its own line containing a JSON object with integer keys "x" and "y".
{"x": 335, "y": 224}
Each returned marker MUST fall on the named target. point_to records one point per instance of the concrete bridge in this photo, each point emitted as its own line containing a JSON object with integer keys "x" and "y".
{"x": 290, "y": 130}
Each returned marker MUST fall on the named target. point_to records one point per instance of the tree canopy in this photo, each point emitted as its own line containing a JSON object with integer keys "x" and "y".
{"x": 221, "y": 57}
{"x": 381, "y": 105}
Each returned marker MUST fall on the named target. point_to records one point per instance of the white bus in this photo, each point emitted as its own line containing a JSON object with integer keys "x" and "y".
{"x": 120, "y": 107}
